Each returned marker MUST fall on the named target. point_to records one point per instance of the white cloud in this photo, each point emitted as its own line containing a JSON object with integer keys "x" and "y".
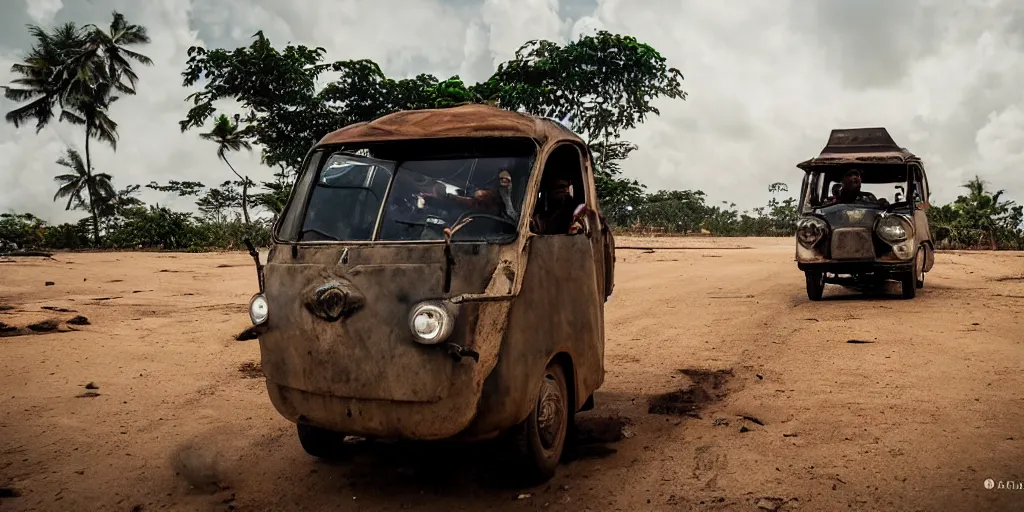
{"x": 514, "y": 22}
{"x": 767, "y": 80}
{"x": 43, "y": 11}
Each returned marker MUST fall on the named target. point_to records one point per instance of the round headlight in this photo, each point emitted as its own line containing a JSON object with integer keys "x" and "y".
{"x": 810, "y": 230}
{"x": 258, "y": 309}
{"x": 894, "y": 229}
{"x": 430, "y": 323}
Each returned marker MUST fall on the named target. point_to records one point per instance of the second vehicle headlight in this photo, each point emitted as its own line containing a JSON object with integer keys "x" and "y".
{"x": 258, "y": 310}
{"x": 810, "y": 230}
{"x": 894, "y": 229}
{"x": 431, "y": 323}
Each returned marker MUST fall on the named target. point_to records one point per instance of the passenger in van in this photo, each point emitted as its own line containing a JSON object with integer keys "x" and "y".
{"x": 555, "y": 214}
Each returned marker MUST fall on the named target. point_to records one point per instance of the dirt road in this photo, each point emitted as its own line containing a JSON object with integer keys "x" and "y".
{"x": 801, "y": 419}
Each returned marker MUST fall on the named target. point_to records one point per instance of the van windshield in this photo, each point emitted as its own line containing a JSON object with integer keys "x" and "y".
{"x": 876, "y": 194}
{"x": 415, "y": 199}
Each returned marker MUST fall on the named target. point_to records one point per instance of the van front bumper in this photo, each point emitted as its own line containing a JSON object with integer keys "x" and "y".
{"x": 857, "y": 267}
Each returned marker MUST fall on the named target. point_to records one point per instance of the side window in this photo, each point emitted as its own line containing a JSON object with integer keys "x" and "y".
{"x": 920, "y": 189}
{"x": 562, "y": 189}
{"x": 804, "y": 186}
{"x": 925, "y": 191}
{"x": 291, "y": 220}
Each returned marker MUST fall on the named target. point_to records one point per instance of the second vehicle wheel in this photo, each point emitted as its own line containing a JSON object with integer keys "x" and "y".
{"x": 908, "y": 284}
{"x": 320, "y": 442}
{"x": 541, "y": 439}
{"x": 815, "y": 284}
{"x": 920, "y": 267}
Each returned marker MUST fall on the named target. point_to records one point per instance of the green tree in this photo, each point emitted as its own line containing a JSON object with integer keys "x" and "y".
{"x": 72, "y": 184}
{"x": 77, "y": 70}
{"x": 111, "y": 50}
{"x": 276, "y": 195}
{"x": 983, "y": 210}
{"x": 781, "y": 214}
{"x": 88, "y": 108}
{"x": 181, "y": 188}
{"x": 603, "y": 84}
{"x": 284, "y": 113}
{"x": 275, "y": 89}
{"x": 42, "y": 75}
{"x": 218, "y": 201}
{"x": 113, "y": 208}
{"x": 228, "y": 137}
{"x": 619, "y": 196}
{"x": 675, "y": 211}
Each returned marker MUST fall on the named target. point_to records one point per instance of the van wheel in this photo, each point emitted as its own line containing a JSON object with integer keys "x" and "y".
{"x": 923, "y": 259}
{"x": 541, "y": 439}
{"x": 320, "y": 442}
{"x": 815, "y": 284}
{"x": 909, "y": 284}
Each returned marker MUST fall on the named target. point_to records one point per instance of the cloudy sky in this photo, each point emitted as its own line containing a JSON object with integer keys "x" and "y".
{"x": 766, "y": 80}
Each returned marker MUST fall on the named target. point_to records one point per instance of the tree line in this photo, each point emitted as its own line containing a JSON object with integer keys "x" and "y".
{"x": 600, "y": 85}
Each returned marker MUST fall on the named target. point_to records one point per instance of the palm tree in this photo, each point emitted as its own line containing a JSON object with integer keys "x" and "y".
{"x": 78, "y": 70}
{"x": 228, "y": 137}
{"x": 110, "y": 49}
{"x": 43, "y": 74}
{"x": 72, "y": 184}
{"x": 982, "y": 210}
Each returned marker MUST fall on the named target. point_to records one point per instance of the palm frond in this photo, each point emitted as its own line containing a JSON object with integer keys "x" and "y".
{"x": 70, "y": 117}
{"x": 138, "y": 57}
{"x": 72, "y": 159}
{"x": 105, "y": 129}
{"x": 41, "y": 110}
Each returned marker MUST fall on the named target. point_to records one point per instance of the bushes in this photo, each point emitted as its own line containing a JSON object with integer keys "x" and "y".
{"x": 67, "y": 236}
{"x": 685, "y": 211}
{"x": 139, "y": 227}
{"x": 22, "y": 230}
{"x": 978, "y": 220}
{"x": 230, "y": 234}
{"x": 153, "y": 227}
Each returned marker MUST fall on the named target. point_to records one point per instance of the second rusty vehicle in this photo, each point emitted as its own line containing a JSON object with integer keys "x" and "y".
{"x": 854, "y": 236}
{"x": 439, "y": 274}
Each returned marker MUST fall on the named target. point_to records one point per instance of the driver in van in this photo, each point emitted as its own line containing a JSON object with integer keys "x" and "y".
{"x": 490, "y": 201}
{"x": 850, "y": 191}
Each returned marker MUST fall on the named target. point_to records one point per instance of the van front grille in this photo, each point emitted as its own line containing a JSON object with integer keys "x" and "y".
{"x": 852, "y": 244}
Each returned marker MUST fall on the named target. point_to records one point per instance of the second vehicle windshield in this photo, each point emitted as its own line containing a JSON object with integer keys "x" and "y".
{"x": 826, "y": 191}
{"x": 425, "y": 197}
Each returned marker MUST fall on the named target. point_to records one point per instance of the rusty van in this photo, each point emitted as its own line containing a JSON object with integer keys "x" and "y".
{"x": 849, "y": 232}
{"x": 439, "y": 275}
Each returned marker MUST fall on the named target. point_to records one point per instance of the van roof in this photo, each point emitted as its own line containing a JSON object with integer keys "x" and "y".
{"x": 864, "y": 146}
{"x": 472, "y": 120}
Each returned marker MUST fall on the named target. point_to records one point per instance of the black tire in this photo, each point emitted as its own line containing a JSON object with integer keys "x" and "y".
{"x": 815, "y": 284}
{"x": 540, "y": 441}
{"x": 920, "y": 278}
{"x": 909, "y": 284}
{"x": 320, "y": 442}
